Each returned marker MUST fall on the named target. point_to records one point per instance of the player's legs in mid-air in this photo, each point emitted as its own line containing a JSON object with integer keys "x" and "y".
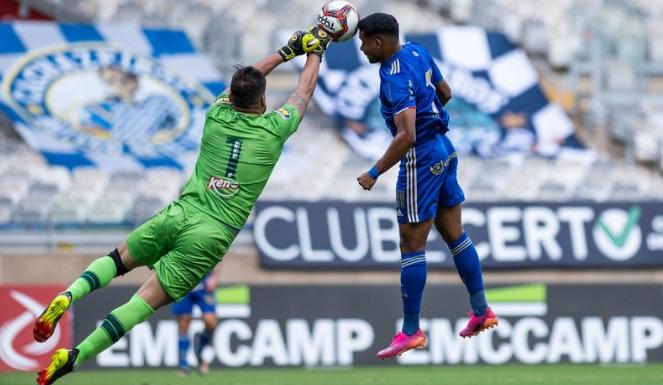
{"x": 102, "y": 270}
{"x": 180, "y": 251}
{"x": 118, "y": 322}
{"x": 449, "y": 225}
{"x": 417, "y": 190}
{"x": 97, "y": 275}
{"x": 427, "y": 193}
{"x": 466, "y": 260}
{"x": 413, "y": 280}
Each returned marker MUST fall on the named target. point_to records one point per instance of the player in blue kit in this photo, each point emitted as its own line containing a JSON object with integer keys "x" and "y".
{"x": 413, "y": 94}
{"x": 202, "y": 296}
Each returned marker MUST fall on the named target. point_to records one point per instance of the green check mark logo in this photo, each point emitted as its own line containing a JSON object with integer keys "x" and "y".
{"x": 619, "y": 238}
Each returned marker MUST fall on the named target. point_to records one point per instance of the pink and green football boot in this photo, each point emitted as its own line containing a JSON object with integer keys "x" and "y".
{"x": 477, "y": 324}
{"x": 401, "y": 343}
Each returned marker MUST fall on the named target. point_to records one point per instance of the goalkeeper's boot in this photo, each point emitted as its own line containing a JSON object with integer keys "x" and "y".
{"x": 48, "y": 320}
{"x": 62, "y": 362}
{"x": 401, "y": 343}
{"x": 477, "y": 324}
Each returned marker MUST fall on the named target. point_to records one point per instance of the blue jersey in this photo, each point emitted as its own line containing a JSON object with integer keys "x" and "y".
{"x": 427, "y": 174}
{"x": 407, "y": 80}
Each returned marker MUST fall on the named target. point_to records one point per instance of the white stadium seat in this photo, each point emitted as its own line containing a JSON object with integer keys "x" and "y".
{"x": 107, "y": 214}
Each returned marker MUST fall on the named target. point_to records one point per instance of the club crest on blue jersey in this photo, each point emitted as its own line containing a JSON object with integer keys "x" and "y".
{"x": 437, "y": 168}
{"x": 104, "y": 99}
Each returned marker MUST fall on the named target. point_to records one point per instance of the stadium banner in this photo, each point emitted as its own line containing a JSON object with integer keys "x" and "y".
{"x": 113, "y": 96}
{"x": 334, "y": 234}
{"x": 21, "y": 305}
{"x": 344, "y": 325}
{"x": 498, "y": 103}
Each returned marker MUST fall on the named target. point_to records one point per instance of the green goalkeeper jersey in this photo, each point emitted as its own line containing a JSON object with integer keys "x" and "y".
{"x": 238, "y": 152}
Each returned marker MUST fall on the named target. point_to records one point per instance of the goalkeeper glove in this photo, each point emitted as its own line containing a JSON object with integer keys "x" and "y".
{"x": 299, "y": 43}
{"x": 323, "y": 37}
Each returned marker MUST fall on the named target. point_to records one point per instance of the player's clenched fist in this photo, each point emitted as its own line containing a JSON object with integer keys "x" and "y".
{"x": 302, "y": 42}
{"x": 366, "y": 181}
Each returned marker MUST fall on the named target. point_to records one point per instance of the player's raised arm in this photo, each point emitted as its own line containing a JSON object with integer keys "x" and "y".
{"x": 266, "y": 65}
{"x": 300, "y": 42}
{"x": 307, "y": 81}
{"x": 301, "y": 97}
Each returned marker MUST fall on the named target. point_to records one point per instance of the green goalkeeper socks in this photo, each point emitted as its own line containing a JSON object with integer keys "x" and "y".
{"x": 116, "y": 324}
{"x": 99, "y": 274}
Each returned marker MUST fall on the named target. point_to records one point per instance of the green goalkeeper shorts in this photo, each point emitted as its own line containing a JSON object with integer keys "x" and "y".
{"x": 182, "y": 245}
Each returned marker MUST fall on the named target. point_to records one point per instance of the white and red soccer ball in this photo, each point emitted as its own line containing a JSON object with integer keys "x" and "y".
{"x": 339, "y": 19}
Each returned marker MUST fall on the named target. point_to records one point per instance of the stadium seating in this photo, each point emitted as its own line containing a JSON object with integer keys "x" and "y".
{"x": 316, "y": 163}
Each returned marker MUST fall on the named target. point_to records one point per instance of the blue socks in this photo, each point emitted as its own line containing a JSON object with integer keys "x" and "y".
{"x": 413, "y": 280}
{"x": 469, "y": 269}
{"x": 183, "y": 347}
{"x": 205, "y": 338}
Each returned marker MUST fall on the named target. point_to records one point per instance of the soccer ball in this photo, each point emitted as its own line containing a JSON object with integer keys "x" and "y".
{"x": 339, "y": 19}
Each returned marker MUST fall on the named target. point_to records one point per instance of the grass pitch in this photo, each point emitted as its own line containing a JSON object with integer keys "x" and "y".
{"x": 423, "y": 375}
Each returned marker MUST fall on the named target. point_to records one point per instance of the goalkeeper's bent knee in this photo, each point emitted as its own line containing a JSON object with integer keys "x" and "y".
{"x": 120, "y": 269}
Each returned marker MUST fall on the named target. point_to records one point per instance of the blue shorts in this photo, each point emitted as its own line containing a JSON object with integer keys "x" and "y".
{"x": 203, "y": 299}
{"x": 427, "y": 179}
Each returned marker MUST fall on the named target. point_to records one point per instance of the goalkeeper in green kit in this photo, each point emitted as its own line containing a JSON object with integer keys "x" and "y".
{"x": 240, "y": 146}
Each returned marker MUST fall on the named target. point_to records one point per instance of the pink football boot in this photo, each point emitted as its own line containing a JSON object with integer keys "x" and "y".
{"x": 401, "y": 343}
{"x": 478, "y": 324}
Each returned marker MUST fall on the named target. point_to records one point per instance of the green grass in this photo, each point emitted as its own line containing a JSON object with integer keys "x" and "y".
{"x": 396, "y": 375}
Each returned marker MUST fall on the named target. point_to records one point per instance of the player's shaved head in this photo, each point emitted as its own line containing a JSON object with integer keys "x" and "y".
{"x": 247, "y": 87}
{"x": 378, "y": 33}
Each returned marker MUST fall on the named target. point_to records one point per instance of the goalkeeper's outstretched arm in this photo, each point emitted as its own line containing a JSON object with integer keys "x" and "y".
{"x": 307, "y": 81}
{"x": 266, "y": 65}
{"x": 301, "y": 42}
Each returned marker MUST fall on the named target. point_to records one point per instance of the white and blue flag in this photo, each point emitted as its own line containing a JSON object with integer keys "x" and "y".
{"x": 498, "y": 105}
{"x": 110, "y": 96}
